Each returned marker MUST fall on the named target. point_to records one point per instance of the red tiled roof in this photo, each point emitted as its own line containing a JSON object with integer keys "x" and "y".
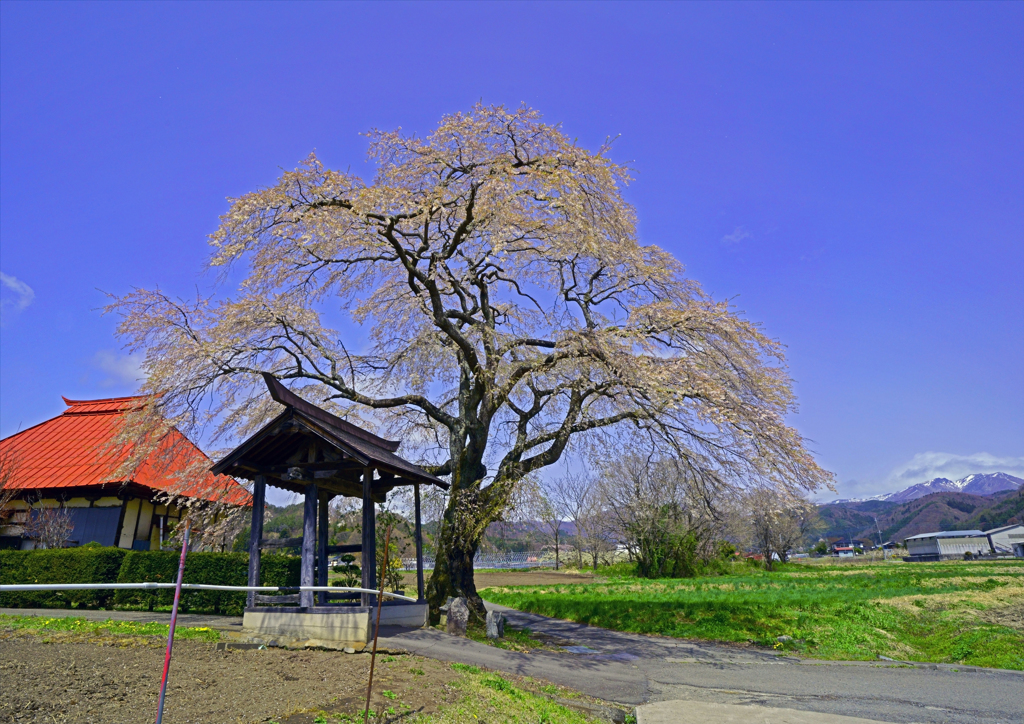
{"x": 69, "y": 451}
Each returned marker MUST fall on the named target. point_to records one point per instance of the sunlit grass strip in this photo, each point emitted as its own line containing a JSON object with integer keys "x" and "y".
{"x": 488, "y": 697}
{"x": 484, "y": 697}
{"x": 109, "y": 627}
{"x": 828, "y": 615}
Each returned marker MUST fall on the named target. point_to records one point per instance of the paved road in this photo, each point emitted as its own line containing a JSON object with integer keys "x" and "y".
{"x": 631, "y": 669}
{"x": 700, "y": 712}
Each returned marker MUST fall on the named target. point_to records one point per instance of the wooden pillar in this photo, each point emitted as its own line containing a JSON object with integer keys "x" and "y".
{"x": 369, "y": 539}
{"x": 259, "y": 496}
{"x": 308, "y": 545}
{"x": 321, "y": 546}
{"x": 419, "y": 548}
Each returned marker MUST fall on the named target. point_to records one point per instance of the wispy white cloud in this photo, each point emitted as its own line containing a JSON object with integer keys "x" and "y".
{"x": 118, "y": 369}
{"x": 930, "y": 465}
{"x": 738, "y": 235}
{"x": 926, "y": 466}
{"x": 16, "y": 296}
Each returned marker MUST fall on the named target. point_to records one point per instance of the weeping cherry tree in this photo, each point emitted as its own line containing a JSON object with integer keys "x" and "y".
{"x": 486, "y": 299}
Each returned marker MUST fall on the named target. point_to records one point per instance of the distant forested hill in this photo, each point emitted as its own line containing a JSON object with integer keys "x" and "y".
{"x": 843, "y": 521}
{"x": 938, "y": 511}
{"x": 1007, "y": 508}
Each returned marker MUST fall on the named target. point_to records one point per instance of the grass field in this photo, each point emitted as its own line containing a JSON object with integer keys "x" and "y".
{"x": 952, "y": 612}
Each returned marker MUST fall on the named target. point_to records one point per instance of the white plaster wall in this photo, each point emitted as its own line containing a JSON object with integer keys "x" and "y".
{"x": 145, "y": 520}
{"x": 131, "y": 518}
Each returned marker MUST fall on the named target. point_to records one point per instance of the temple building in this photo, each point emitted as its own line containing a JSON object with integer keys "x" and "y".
{"x": 68, "y": 462}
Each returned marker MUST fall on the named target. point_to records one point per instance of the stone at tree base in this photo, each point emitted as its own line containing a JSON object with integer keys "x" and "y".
{"x": 458, "y": 617}
{"x": 495, "y": 625}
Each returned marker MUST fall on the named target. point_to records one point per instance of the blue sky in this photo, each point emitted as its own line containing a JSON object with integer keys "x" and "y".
{"x": 851, "y": 175}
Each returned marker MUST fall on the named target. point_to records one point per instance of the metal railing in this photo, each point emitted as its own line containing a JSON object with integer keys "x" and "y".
{"x": 193, "y": 587}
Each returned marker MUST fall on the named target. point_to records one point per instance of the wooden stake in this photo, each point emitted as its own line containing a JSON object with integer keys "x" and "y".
{"x": 174, "y": 620}
{"x": 376, "y": 630}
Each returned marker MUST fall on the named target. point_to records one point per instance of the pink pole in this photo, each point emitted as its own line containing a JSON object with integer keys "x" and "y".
{"x": 170, "y": 632}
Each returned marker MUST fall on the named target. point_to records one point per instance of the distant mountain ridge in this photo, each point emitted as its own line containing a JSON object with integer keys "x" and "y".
{"x": 976, "y": 484}
{"x": 979, "y": 501}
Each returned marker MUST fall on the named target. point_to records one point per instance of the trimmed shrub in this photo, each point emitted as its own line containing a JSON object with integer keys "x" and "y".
{"x": 117, "y": 565}
{"x": 60, "y": 565}
{"x": 221, "y": 569}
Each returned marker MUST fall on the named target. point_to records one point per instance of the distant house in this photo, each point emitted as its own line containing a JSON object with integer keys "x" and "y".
{"x": 843, "y": 548}
{"x": 68, "y": 462}
{"x": 946, "y": 545}
{"x": 1007, "y": 541}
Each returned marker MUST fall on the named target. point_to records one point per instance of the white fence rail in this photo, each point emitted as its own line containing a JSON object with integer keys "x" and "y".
{"x": 192, "y": 587}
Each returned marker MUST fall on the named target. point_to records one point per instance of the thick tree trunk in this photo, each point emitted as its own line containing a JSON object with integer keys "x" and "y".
{"x": 453, "y": 576}
{"x": 462, "y": 528}
{"x": 468, "y": 514}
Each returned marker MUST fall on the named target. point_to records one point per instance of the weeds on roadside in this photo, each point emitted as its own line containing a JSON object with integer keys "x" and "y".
{"x": 488, "y": 697}
{"x": 514, "y": 639}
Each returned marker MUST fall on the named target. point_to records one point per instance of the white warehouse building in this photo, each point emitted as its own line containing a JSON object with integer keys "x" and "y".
{"x": 947, "y": 544}
{"x": 1007, "y": 541}
{"x": 951, "y": 544}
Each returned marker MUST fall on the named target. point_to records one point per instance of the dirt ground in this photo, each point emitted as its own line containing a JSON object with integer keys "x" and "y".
{"x": 487, "y": 579}
{"x": 63, "y": 679}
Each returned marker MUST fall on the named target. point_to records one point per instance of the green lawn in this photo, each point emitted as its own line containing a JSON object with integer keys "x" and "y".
{"x": 951, "y": 612}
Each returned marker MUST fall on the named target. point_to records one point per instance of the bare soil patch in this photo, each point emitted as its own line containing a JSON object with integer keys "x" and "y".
{"x": 116, "y": 680}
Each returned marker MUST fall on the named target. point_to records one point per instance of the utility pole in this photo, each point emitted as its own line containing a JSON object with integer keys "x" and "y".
{"x": 880, "y": 543}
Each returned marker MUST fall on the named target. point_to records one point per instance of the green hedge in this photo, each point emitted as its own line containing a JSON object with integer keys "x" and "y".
{"x": 66, "y": 565}
{"x": 116, "y": 565}
{"x": 221, "y": 569}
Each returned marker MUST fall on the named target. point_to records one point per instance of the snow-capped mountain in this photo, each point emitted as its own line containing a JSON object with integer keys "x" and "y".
{"x": 989, "y": 483}
{"x": 936, "y": 485}
{"x": 977, "y": 484}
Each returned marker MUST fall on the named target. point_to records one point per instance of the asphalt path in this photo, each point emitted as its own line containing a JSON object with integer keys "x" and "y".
{"x": 632, "y": 669}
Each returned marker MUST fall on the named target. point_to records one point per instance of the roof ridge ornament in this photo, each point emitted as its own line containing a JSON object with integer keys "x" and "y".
{"x": 104, "y": 406}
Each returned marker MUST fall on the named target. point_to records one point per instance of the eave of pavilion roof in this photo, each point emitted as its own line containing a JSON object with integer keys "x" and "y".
{"x": 277, "y": 449}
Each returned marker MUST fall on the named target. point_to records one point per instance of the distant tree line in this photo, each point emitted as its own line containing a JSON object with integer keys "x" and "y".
{"x": 655, "y": 513}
